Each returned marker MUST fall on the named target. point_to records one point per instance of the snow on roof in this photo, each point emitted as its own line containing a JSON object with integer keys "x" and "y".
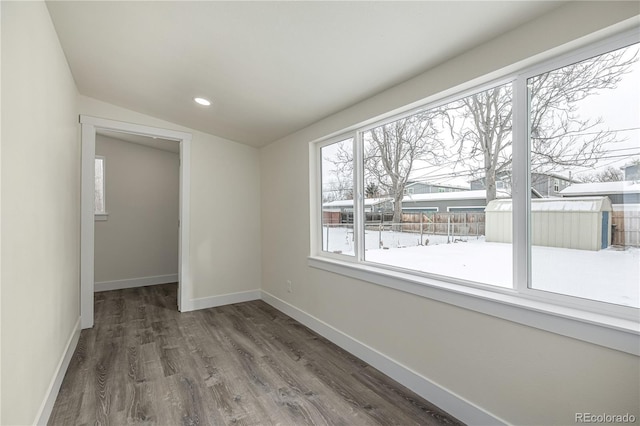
{"x": 349, "y": 203}
{"x": 553, "y": 175}
{"x": 479, "y": 194}
{"x": 597, "y": 188}
{"x": 452, "y": 182}
{"x": 574, "y": 204}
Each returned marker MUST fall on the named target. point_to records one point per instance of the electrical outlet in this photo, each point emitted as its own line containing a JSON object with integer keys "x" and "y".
{"x": 289, "y": 288}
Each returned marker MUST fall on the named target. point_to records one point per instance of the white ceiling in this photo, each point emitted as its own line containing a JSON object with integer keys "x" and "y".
{"x": 270, "y": 68}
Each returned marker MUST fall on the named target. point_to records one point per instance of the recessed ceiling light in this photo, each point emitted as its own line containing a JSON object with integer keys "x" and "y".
{"x": 202, "y": 101}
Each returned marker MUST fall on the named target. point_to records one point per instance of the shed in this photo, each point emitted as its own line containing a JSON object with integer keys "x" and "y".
{"x": 582, "y": 223}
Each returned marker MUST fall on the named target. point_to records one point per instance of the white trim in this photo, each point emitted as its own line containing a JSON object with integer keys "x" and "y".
{"x": 102, "y": 217}
{"x": 185, "y": 286}
{"x": 135, "y": 282}
{"x": 611, "y": 332}
{"x": 520, "y": 191}
{"x": 42, "y": 418}
{"x": 224, "y": 299}
{"x": 315, "y": 200}
{"x": 443, "y": 398}
{"x": 87, "y": 223}
{"x": 87, "y": 227}
{"x": 360, "y": 207}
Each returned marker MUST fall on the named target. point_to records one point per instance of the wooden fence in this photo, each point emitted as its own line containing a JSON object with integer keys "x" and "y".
{"x": 625, "y": 224}
{"x": 625, "y": 228}
{"x": 459, "y": 223}
{"x": 432, "y": 223}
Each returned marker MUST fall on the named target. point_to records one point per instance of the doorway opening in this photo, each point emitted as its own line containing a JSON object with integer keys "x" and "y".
{"x": 91, "y": 126}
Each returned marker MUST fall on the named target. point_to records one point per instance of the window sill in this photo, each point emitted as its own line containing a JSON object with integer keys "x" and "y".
{"x": 100, "y": 217}
{"x": 604, "y": 330}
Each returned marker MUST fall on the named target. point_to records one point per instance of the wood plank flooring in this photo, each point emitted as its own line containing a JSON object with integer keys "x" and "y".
{"x": 243, "y": 364}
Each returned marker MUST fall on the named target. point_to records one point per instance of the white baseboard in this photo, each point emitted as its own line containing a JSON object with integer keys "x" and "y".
{"x": 224, "y": 299}
{"x": 443, "y": 398}
{"x": 42, "y": 418}
{"x": 135, "y": 282}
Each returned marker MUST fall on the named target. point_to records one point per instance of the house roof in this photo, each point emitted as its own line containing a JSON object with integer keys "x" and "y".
{"x": 349, "y": 203}
{"x": 479, "y": 194}
{"x": 601, "y": 188}
{"x": 454, "y": 183}
{"x": 554, "y": 175}
{"x": 549, "y": 174}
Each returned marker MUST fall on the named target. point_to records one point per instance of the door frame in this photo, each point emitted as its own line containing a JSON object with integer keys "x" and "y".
{"x": 89, "y": 126}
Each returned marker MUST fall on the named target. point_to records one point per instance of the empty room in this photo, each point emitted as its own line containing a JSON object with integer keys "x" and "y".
{"x": 319, "y": 213}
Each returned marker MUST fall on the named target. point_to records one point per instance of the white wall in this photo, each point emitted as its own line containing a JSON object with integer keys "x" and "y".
{"x": 520, "y": 374}
{"x": 40, "y": 209}
{"x": 139, "y": 239}
{"x": 225, "y": 207}
{"x": 0, "y": 217}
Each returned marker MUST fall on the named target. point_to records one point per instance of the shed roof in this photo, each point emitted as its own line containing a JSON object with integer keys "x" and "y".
{"x": 573, "y": 204}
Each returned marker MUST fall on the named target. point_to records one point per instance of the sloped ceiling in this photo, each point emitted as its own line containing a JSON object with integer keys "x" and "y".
{"x": 270, "y": 68}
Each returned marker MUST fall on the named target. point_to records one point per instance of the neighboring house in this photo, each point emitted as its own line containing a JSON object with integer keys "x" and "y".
{"x": 461, "y": 201}
{"x": 543, "y": 184}
{"x": 632, "y": 172}
{"x": 414, "y": 187}
{"x": 503, "y": 182}
{"x": 549, "y": 184}
{"x": 621, "y": 192}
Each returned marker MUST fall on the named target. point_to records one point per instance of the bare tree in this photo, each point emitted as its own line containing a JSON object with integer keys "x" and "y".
{"x": 611, "y": 174}
{"x": 337, "y": 174}
{"x": 392, "y": 149}
{"x": 560, "y": 138}
{"x": 481, "y": 125}
{"x": 339, "y": 189}
{"x": 390, "y": 152}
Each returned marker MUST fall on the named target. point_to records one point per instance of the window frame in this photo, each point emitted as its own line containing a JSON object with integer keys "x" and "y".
{"x": 595, "y": 49}
{"x": 606, "y": 324}
{"x": 102, "y": 215}
{"x": 317, "y": 154}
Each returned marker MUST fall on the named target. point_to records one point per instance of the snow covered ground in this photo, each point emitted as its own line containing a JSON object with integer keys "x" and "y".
{"x": 609, "y": 275}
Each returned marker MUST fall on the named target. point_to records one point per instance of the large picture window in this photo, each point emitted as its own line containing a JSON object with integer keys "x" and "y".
{"x": 584, "y": 126}
{"x": 452, "y": 157}
{"x": 526, "y": 187}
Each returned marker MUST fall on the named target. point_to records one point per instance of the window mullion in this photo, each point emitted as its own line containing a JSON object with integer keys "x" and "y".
{"x": 358, "y": 196}
{"x": 521, "y": 194}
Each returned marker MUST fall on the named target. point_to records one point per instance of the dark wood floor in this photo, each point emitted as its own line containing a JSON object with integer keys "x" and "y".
{"x": 244, "y": 364}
